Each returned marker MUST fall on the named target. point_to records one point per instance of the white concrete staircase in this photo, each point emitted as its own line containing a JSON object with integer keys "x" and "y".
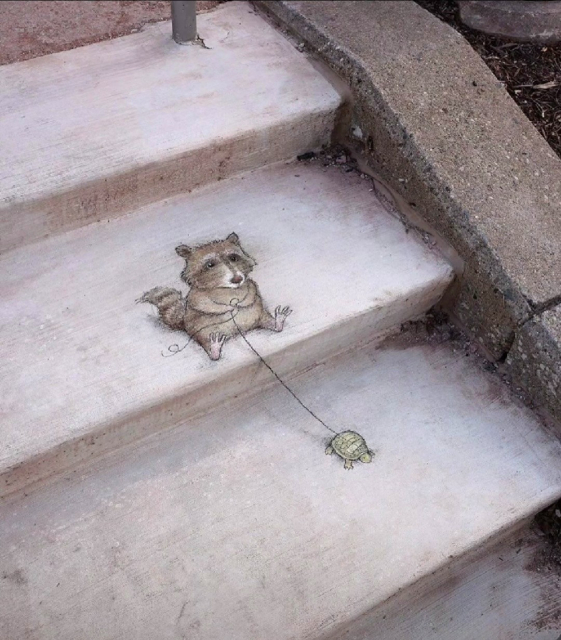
{"x": 154, "y": 497}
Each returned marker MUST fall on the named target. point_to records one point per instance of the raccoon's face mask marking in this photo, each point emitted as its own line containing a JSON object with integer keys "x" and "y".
{"x": 219, "y": 264}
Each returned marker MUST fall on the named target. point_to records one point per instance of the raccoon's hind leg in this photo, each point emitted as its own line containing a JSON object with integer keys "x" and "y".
{"x": 277, "y": 323}
{"x": 170, "y": 303}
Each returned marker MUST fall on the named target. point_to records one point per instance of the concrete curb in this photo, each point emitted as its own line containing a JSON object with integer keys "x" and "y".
{"x": 436, "y": 124}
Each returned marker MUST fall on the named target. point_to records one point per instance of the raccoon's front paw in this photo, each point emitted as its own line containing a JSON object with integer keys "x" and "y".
{"x": 281, "y": 314}
{"x": 217, "y": 341}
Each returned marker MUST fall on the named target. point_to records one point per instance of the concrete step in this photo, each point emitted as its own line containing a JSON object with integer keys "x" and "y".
{"x": 90, "y": 133}
{"x": 237, "y": 526}
{"x": 84, "y": 370}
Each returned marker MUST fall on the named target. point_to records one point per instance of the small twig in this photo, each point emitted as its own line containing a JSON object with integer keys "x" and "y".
{"x": 546, "y": 85}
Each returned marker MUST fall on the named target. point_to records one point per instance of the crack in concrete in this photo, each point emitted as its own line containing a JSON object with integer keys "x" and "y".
{"x": 538, "y": 309}
{"x": 181, "y": 614}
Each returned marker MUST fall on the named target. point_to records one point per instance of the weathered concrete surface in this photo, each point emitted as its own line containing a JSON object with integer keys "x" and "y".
{"x": 524, "y": 21}
{"x": 91, "y": 133}
{"x": 36, "y": 28}
{"x": 82, "y": 370}
{"x": 534, "y": 361}
{"x": 439, "y": 128}
{"x": 506, "y": 591}
{"x": 237, "y": 526}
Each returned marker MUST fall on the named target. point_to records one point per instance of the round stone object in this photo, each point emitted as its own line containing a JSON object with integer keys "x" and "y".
{"x": 524, "y": 21}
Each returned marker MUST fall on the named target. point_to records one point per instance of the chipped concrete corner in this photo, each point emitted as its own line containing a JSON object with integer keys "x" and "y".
{"x": 436, "y": 124}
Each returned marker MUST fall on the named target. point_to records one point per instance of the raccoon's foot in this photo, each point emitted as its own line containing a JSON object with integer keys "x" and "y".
{"x": 215, "y": 344}
{"x": 281, "y": 314}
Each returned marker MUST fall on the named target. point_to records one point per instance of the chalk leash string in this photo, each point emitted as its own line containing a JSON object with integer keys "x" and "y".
{"x": 276, "y": 375}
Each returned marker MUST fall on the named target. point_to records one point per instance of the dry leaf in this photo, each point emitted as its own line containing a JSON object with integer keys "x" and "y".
{"x": 546, "y": 85}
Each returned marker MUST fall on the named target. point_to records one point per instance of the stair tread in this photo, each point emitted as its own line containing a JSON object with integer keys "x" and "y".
{"x": 79, "y": 117}
{"x": 238, "y": 526}
{"x": 82, "y": 356}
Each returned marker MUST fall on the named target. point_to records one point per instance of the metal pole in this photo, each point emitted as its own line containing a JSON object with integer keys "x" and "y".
{"x": 184, "y": 21}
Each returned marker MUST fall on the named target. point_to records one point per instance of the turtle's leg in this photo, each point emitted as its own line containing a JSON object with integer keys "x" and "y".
{"x": 329, "y": 450}
{"x": 348, "y": 464}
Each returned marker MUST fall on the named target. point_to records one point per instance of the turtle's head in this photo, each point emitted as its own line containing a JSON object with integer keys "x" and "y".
{"x": 366, "y": 457}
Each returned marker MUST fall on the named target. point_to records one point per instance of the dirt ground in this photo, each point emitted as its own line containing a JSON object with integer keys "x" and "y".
{"x": 531, "y": 72}
{"x": 33, "y": 28}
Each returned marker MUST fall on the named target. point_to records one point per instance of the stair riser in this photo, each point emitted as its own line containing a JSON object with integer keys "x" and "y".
{"x": 119, "y": 194}
{"x": 249, "y": 377}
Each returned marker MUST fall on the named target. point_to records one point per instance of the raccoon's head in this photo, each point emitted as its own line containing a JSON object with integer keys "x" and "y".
{"x": 218, "y": 264}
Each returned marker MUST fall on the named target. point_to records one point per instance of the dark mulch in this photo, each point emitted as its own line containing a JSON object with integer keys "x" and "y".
{"x": 530, "y": 72}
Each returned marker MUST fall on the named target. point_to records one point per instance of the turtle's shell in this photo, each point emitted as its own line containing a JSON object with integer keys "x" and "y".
{"x": 349, "y": 445}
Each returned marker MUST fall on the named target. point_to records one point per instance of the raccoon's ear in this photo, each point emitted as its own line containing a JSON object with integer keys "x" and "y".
{"x": 184, "y": 251}
{"x": 233, "y": 237}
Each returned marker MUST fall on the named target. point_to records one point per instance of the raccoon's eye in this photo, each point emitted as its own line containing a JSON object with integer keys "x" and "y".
{"x": 210, "y": 264}
{"x": 233, "y": 257}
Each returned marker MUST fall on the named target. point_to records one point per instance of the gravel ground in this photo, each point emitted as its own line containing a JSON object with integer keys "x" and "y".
{"x": 35, "y": 28}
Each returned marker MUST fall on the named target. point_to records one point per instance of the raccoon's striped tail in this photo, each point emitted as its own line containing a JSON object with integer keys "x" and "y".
{"x": 170, "y": 304}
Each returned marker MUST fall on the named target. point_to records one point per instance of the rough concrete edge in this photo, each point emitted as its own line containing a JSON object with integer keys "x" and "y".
{"x": 542, "y": 390}
{"x": 534, "y": 361}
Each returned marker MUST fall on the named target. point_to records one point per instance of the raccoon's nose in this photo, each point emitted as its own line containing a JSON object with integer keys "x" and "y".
{"x": 236, "y": 280}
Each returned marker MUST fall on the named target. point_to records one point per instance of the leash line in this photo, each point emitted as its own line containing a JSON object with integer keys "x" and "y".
{"x": 279, "y": 379}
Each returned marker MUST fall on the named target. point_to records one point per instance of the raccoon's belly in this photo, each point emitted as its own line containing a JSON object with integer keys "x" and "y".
{"x": 200, "y": 326}
{"x": 246, "y": 319}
